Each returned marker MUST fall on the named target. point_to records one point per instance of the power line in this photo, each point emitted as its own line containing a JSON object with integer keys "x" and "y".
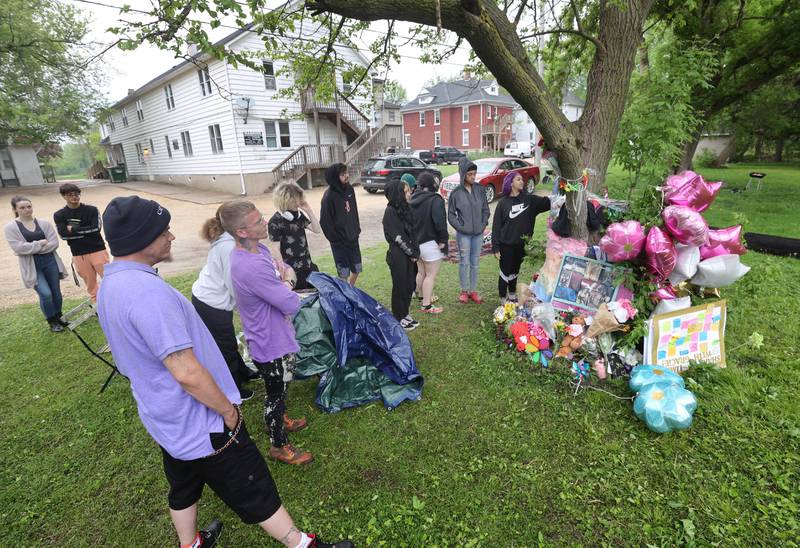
{"x": 300, "y": 38}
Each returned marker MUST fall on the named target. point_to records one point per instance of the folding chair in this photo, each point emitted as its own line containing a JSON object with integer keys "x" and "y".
{"x": 77, "y": 317}
{"x": 757, "y": 176}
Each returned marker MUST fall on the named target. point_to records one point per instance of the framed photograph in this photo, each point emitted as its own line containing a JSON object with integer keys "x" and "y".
{"x": 584, "y": 284}
{"x": 695, "y": 334}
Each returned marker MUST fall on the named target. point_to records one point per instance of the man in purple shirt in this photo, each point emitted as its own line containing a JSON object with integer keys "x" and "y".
{"x": 266, "y": 305}
{"x": 187, "y": 399}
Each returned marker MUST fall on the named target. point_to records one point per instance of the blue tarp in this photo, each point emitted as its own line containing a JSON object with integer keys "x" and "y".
{"x": 375, "y": 350}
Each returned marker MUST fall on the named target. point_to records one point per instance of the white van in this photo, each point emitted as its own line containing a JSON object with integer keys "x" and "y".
{"x": 519, "y": 149}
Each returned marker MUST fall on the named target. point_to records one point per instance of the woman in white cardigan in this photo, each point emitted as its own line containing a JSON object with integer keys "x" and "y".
{"x": 35, "y": 241}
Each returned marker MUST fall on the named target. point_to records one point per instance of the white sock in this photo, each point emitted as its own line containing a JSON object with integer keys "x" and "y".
{"x": 305, "y": 541}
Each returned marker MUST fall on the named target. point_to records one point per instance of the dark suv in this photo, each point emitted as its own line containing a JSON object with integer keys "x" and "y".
{"x": 442, "y": 155}
{"x": 379, "y": 171}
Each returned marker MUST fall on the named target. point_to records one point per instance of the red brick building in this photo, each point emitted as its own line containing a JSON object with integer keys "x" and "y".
{"x": 466, "y": 114}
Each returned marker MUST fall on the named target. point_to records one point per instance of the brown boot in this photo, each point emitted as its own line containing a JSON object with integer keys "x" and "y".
{"x": 290, "y": 454}
{"x": 293, "y": 425}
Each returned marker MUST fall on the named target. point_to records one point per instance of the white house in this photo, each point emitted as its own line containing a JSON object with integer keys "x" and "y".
{"x": 525, "y": 129}
{"x": 19, "y": 166}
{"x": 207, "y": 124}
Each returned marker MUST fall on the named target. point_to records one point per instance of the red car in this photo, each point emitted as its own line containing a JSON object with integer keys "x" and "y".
{"x": 491, "y": 172}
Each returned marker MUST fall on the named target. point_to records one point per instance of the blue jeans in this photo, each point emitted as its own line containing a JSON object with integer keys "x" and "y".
{"x": 48, "y": 285}
{"x": 469, "y": 251}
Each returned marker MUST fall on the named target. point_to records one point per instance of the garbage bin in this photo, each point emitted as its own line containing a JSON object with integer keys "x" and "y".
{"x": 117, "y": 173}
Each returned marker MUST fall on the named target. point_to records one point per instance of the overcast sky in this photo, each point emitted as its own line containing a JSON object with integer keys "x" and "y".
{"x": 132, "y": 69}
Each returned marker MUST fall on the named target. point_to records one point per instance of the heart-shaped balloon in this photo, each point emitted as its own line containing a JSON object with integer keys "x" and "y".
{"x": 685, "y": 264}
{"x": 719, "y": 271}
{"x": 685, "y": 225}
{"x": 623, "y": 241}
{"x": 661, "y": 254}
{"x": 691, "y": 190}
{"x": 723, "y": 241}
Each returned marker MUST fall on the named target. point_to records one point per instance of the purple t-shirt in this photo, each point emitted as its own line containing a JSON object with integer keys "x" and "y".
{"x": 144, "y": 320}
{"x": 266, "y": 305}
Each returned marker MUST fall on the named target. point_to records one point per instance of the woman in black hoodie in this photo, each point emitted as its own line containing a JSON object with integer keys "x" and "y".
{"x": 513, "y": 220}
{"x": 338, "y": 219}
{"x": 430, "y": 228}
{"x": 403, "y": 253}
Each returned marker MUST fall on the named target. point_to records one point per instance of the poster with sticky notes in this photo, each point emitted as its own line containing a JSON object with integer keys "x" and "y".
{"x": 695, "y": 334}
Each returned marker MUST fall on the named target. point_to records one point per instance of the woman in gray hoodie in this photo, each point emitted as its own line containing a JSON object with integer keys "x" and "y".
{"x": 468, "y": 213}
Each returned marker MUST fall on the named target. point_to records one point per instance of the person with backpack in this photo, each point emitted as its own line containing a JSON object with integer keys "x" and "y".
{"x": 514, "y": 217}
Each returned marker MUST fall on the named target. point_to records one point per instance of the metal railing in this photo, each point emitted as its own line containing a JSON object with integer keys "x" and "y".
{"x": 305, "y": 158}
{"x": 350, "y": 114}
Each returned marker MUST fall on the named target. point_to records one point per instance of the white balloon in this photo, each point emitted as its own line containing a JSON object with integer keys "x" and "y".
{"x": 719, "y": 271}
{"x": 685, "y": 264}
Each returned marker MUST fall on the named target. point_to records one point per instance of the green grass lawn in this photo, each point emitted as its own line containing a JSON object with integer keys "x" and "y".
{"x": 495, "y": 453}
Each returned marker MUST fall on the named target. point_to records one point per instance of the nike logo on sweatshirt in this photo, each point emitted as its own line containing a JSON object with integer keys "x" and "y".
{"x": 516, "y": 210}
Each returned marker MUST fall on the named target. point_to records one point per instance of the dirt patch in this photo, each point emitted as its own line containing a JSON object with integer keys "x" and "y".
{"x": 188, "y": 207}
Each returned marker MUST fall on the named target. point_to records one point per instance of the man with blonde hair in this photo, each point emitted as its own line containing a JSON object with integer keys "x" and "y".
{"x": 266, "y": 305}
{"x": 288, "y": 227}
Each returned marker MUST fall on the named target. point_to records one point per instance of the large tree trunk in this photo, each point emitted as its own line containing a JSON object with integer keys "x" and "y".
{"x": 779, "y": 142}
{"x": 689, "y": 149}
{"x": 586, "y": 143}
{"x": 759, "y": 145}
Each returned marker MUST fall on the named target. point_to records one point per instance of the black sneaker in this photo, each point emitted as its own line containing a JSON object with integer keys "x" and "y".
{"x": 55, "y": 327}
{"x": 411, "y": 320}
{"x": 210, "y": 535}
{"x": 408, "y": 325}
{"x": 317, "y": 543}
{"x": 251, "y": 375}
{"x": 245, "y": 394}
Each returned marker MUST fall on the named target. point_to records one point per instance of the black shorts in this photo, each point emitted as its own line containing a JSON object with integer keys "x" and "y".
{"x": 239, "y": 476}
{"x": 347, "y": 257}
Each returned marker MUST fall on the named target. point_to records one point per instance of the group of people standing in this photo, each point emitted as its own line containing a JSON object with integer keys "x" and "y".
{"x": 182, "y": 358}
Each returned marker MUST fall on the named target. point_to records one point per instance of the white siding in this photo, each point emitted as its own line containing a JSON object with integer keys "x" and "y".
{"x": 194, "y": 113}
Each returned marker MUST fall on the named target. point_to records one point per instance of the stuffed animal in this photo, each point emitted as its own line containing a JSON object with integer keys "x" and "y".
{"x": 573, "y": 339}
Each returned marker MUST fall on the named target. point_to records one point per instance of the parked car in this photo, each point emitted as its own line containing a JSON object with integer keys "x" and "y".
{"x": 491, "y": 172}
{"x": 442, "y": 155}
{"x": 379, "y": 171}
{"x": 418, "y": 153}
{"x": 520, "y": 149}
{"x": 397, "y": 150}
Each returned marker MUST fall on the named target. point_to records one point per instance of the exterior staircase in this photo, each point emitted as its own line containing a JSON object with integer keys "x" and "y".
{"x": 362, "y": 142}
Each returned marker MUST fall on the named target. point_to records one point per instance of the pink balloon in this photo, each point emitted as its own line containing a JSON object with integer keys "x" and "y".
{"x": 663, "y": 293}
{"x": 685, "y": 225}
{"x": 623, "y": 241}
{"x": 725, "y": 241}
{"x": 691, "y": 190}
{"x": 661, "y": 253}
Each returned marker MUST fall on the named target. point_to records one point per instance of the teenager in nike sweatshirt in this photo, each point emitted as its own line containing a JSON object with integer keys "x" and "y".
{"x": 513, "y": 219}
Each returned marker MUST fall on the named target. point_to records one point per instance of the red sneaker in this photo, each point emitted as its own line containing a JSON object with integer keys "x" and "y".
{"x": 475, "y": 297}
{"x": 463, "y": 298}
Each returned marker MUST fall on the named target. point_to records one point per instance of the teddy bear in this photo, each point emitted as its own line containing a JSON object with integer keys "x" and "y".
{"x": 573, "y": 339}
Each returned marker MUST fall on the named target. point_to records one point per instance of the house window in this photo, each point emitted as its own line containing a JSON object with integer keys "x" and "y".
{"x": 465, "y": 113}
{"x": 277, "y": 134}
{"x": 216, "y": 139}
{"x": 124, "y": 117}
{"x": 269, "y": 75}
{"x": 186, "y": 140}
{"x": 437, "y": 139}
{"x": 152, "y": 147}
{"x": 205, "y": 81}
{"x": 422, "y": 119}
{"x": 111, "y": 123}
{"x": 170, "y": 98}
{"x": 169, "y": 148}
{"x": 139, "y": 153}
{"x": 347, "y": 86}
{"x": 488, "y": 112}
{"x": 139, "y": 111}
{"x": 436, "y": 117}
{"x": 407, "y": 140}
{"x": 391, "y": 116}
{"x": 464, "y": 137}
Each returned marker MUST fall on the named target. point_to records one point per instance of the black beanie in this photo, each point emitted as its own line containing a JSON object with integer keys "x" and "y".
{"x": 132, "y": 223}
